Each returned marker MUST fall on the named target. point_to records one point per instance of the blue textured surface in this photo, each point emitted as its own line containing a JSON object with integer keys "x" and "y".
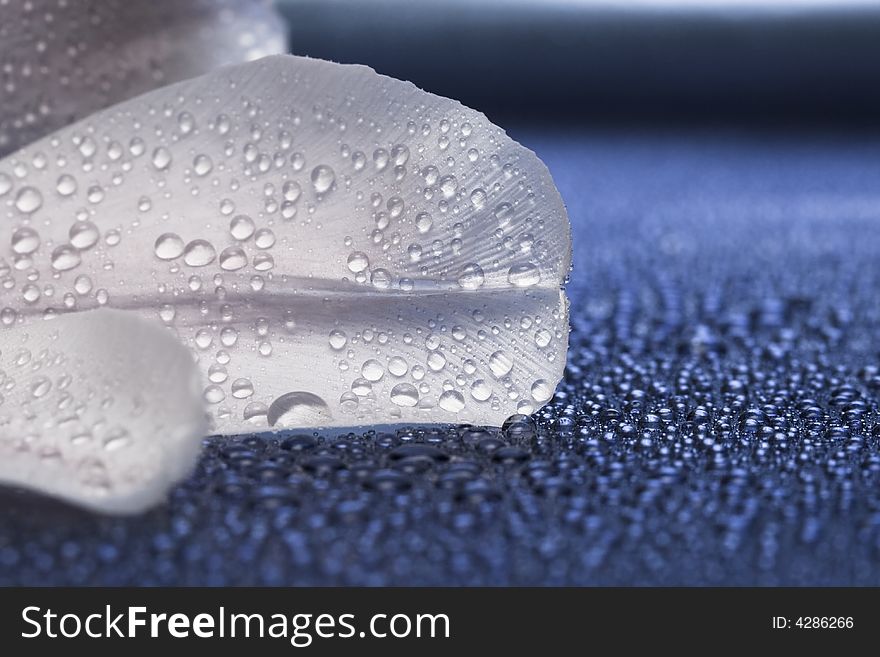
{"x": 717, "y": 424}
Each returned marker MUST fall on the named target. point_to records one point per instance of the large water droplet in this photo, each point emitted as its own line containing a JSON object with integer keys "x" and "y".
{"x": 298, "y": 409}
{"x": 471, "y": 277}
{"x": 241, "y": 227}
{"x": 500, "y": 363}
{"x": 199, "y": 253}
{"x": 83, "y": 235}
{"x": 452, "y": 401}
{"x": 66, "y": 185}
{"x": 233, "y": 258}
{"x": 372, "y": 370}
{"x": 338, "y": 339}
{"x": 480, "y": 390}
{"x": 28, "y": 200}
{"x": 405, "y": 394}
{"x": 168, "y": 246}
{"x": 358, "y": 261}
{"x": 524, "y": 275}
{"x": 541, "y": 391}
{"x": 25, "y": 240}
{"x": 65, "y": 257}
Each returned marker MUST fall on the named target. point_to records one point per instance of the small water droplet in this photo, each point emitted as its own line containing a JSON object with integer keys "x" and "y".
{"x": 161, "y": 158}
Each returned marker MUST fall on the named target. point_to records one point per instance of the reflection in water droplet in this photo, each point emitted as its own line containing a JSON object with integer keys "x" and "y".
{"x": 297, "y": 409}
{"x": 480, "y": 390}
{"x": 541, "y": 391}
{"x": 543, "y": 337}
{"x": 500, "y": 363}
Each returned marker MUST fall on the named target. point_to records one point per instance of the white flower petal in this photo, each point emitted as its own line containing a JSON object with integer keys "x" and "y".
{"x": 101, "y": 409}
{"x": 61, "y": 61}
{"x": 337, "y": 247}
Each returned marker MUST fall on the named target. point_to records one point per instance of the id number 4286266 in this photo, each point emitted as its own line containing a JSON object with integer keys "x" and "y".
{"x": 814, "y": 623}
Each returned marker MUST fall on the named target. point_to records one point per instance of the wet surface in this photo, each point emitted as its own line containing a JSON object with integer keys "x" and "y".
{"x": 717, "y": 423}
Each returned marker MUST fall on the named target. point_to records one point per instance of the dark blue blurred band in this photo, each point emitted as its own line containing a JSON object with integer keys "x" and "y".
{"x": 588, "y": 59}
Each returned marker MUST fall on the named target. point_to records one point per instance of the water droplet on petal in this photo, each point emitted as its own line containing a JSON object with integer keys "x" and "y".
{"x": 452, "y": 401}
{"x": 241, "y": 227}
{"x": 323, "y": 178}
{"x": 358, "y": 261}
{"x": 471, "y": 277}
{"x": 500, "y": 364}
{"x": 524, "y": 275}
{"x": 232, "y": 258}
{"x": 28, "y": 200}
{"x": 199, "y": 253}
{"x": 168, "y": 246}
{"x": 298, "y": 409}
{"x": 83, "y": 235}
{"x": 25, "y": 240}
{"x": 405, "y": 394}
{"x": 65, "y": 257}
{"x": 541, "y": 391}
{"x": 372, "y": 370}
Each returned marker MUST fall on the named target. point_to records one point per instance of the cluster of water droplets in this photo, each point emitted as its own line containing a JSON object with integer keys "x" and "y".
{"x": 326, "y": 266}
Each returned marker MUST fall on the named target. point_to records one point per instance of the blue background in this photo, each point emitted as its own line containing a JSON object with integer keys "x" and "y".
{"x": 718, "y": 420}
